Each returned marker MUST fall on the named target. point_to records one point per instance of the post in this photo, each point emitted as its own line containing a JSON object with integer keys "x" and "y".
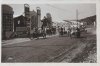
{"x": 77, "y": 17}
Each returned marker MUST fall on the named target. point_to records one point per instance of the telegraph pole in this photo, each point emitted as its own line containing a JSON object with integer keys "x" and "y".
{"x": 77, "y": 17}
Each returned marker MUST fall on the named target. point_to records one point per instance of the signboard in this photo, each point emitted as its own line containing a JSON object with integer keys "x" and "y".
{"x": 38, "y": 11}
{"x": 26, "y": 10}
{"x": 27, "y": 17}
{"x": 38, "y": 17}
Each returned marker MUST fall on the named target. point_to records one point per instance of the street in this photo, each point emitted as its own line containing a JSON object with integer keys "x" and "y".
{"x": 49, "y": 32}
{"x": 52, "y": 49}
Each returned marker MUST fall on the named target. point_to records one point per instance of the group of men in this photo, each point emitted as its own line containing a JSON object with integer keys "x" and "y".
{"x": 72, "y": 31}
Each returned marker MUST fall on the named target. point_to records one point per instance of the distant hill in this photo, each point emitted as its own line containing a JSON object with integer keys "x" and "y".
{"x": 89, "y": 20}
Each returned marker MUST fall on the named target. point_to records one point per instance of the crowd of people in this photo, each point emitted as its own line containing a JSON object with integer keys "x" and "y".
{"x": 48, "y": 29}
{"x": 43, "y": 32}
{"x": 70, "y": 32}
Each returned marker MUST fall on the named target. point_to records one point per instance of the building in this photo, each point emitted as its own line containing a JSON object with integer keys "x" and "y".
{"x": 32, "y": 18}
{"x": 33, "y": 21}
{"x": 7, "y": 21}
{"x": 20, "y": 26}
{"x": 20, "y": 23}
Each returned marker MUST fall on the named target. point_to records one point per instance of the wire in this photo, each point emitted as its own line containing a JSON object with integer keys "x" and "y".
{"x": 58, "y": 8}
{"x": 82, "y": 13}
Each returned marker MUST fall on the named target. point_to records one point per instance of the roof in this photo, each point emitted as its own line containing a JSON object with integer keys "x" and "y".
{"x": 7, "y": 9}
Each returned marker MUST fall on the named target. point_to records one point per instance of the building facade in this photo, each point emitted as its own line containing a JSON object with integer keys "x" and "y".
{"x": 19, "y": 22}
{"x": 7, "y": 21}
{"x": 33, "y": 21}
{"x": 21, "y": 26}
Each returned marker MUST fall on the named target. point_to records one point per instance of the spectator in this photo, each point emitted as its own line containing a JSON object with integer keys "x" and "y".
{"x": 78, "y": 32}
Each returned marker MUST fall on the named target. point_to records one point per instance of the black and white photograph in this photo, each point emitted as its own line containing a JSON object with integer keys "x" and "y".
{"x": 49, "y": 33}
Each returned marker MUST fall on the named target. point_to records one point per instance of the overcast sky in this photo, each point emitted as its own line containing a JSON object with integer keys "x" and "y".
{"x": 59, "y": 12}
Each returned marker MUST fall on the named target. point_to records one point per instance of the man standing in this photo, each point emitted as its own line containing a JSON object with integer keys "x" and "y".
{"x": 69, "y": 32}
{"x": 78, "y": 32}
{"x": 44, "y": 25}
{"x": 37, "y": 33}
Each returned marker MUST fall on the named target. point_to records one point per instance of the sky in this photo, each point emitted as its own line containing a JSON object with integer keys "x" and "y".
{"x": 59, "y": 12}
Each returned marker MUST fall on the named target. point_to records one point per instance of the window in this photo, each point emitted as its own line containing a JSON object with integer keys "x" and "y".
{"x": 19, "y": 22}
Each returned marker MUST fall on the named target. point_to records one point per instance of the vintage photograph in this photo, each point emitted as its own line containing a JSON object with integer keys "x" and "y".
{"x": 58, "y": 33}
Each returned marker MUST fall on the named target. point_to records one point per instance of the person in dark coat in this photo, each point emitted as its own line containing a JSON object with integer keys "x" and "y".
{"x": 61, "y": 31}
{"x": 36, "y": 33}
{"x": 44, "y": 22}
{"x": 78, "y": 32}
{"x": 69, "y": 32}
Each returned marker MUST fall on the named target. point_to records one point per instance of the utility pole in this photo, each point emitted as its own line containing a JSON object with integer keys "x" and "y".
{"x": 77, "y": 17}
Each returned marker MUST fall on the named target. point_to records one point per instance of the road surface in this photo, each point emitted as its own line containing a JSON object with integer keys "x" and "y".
{"x": 52, "y": 49}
